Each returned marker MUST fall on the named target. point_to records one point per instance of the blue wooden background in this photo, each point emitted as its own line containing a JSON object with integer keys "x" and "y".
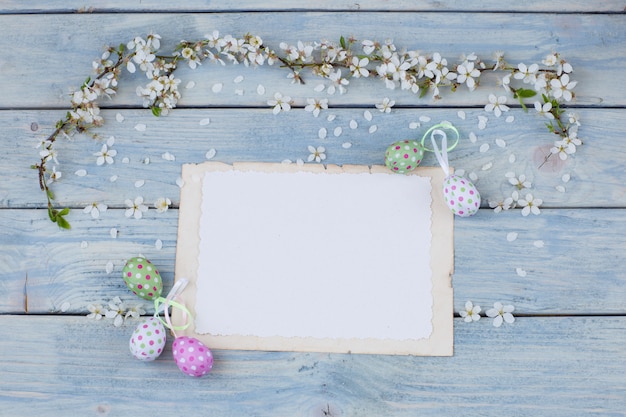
{"x": 563, "y": 356}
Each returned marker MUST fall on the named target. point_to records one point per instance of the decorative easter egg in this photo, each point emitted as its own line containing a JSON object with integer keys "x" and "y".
{"x": 142, "y": 278}
{"x": 404, "y": 156}
{"x": 192, "y": 356}
{"x": 461, "y": 196}
{"x": 148, "y": 339}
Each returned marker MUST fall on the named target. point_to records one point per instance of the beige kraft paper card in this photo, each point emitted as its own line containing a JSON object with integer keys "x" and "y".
{"x": 313, "y": 258}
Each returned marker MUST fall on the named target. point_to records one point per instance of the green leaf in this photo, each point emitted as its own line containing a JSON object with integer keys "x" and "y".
{"x": 87, "y": 81}
{"x": 423, "y": 91}
{"x": 61, "y": 122}
{"x": 342, "y": 42}
{"x": 64, "y": 212}
{"x": 52, "y": 214}
{"x": 121, "y": 48}
{"x": 63, "y": 224}
{"x": 156, "y": 111}
{"x": 525, "y": 93}
{"x": 50, "y": 194}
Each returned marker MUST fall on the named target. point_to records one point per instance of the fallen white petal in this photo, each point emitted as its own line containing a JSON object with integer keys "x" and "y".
{"x": 180, "y": 182}
{"x": 210, "y": 154}
{"x": 373, "y": 128}
{"x": 168, "y": 156}
{"x": 300, "y": 162}
{"x": 472, "y": 137}
{"x": 113, "y": 233}
{"x": 158, "y": 244}
{"x": 139, "y": 183}
{"x": 238, "y": 79}
{"x": 511, "y": 236}
{"x": 84, "y": 244}
{"x": 81, "y": 173}
{"x": 65, "y": 306}
{"x": 260, "y": 89}
{"x": 346, "y": 145}
{"x": 109, "y": 267}
{"x": 538, "y": 244}
{"x": 501, "y": 143}
{"x": 425, "y": 119}
{"x": 119, "y": 117}
{"x": 319, "y": 88}
{"x": 205, "y": 122}
{"x": 190, "y": 84}
{"x": 331, "y": 117}
{"x": 461, "y": 114}
{"x": 510, "y": 119}
{"x": 473, "y": 176}
{"x": 322, "y": 133}
{"x": 368, "y": 115}
{"x": 353, "y": 124}
{"x": 560, "y": 188}
{"x": 217, "y": 87}
{"x": 239, "y": 92}
{"x": 520, "y": 272}
{"x": 565, "y": 178}
{"x": 512, "y": 158}
{"x": 487, "y": 166}
{"x": 414, "y": 125}
{"x": 140, "y": 127}
{"x": 337, "y": 131}
{"x": 459, "y": 172}
{"x": 286, "y": 161}
{"x": 484, "y": 147}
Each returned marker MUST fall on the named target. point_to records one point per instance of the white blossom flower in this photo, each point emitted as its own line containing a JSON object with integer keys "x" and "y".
{"x": 368, "y": 46}
{"x": 520, "y": 182}
{"x": 358, "y": 67}
{"x": 573, "y": 119}
{"x": 315, "y": 106}
{"x": 316, "y": 154}
{"x": 55, "y": 175}
{"x": 386, "y": 105}
{"x": 105, "y": 155}
{"x": 96, "y": 311}
{"x": 505, "y": 82}
{"x": 339, "y": 83}
{"x": 162, "y": 204}
{"x": 563, "y": 149}
{"x": 527, "y": 74}
{"x": 134, "y": 312}
{"x": 471, "y": 312}
{"x": 550, "y": 60}
{"x": 192, "y": 58}
{"x": 497, "y": 105}
{"x": 116, "y": 311}
{"x": 562, "y": 87}
{"x": 501, "y": 313}
{"x": 135, "y": 208}
{"x": 467, "y": 73}
{"x": 95, "y": 209}
{"x": 503, "y": 205}
{"x": 530, "y": 205}
{"x": 544, "y": 110}
{"x": 279, "y": 103}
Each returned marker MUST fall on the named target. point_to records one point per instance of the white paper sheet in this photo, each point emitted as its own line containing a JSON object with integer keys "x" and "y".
{"x": 315, "y": 255}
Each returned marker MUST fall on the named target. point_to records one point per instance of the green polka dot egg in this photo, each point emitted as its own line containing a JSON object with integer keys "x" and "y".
{"x": 148, "y": 339}
{"x": 404, "y": 156}
{"x": 461, "y": 196}
{"x": 142, "y": 278}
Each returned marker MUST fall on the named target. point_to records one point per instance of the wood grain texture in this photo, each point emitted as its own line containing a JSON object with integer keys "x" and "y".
{"x": 575, "y": 272}
{"x": 594, "y": 44}
{"x": 257, "y": 135}
{"x": 537, "y": 366}
{"x": 138, "y": 6}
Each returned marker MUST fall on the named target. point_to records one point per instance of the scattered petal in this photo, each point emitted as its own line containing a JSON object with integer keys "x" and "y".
{"x": 482, "y": 122}
{"x": 210, "y": 154}
{"x": 353, "y": 124}
{"x": 521, "y": 272}
{"x": 140, "y": 127}
{"x": 286, "y": 161}
{"x": 560, "y": 188}
{"x": 459, "y": 172}
{"x": 238, "y": 79}
{"x": 337, "y": 132}
{"x": 461, "y": 114}
{"x": 109, "y": 267}
{"x": 158, "y": 244}
{"x": 511, "y": 236}
{"x": 146, "y": 161}
{"x": 512, "y": 158}
{"x": 260, "y": 89}
{"x": 139, "y": 183}
{"x": 190, "y": 84}
{"x": 414, "y": 125}
{"x": 473, "y": 176}
{"x": 217, "y": 87}
{"x": 346, "y": 145}
{"x": 84, "y": 244}
{"x": 125, "y": 160}
{"x": 168, "y": 156}
{"x": 565, "y": 178}
{"x": 472, "y": 137}
{"x": 65, "y": 306}
{"x": 119, "y": 117}
{"x": 538, "y": 244}
{"x": 484, "y": 147}
{"x": 205, "y": 122}
{"x": 111, "y": 141}
{"x": 113, "y": 233}
{"x": 331, "y": 117}
{"x": 180, "y": 182}
{"x": 368, "y": 115}
{"x": 510, "y": 119}
{"x": 425, "y": 119}
{"x": 81, "y": 173}
{"x": 299, "y": 162}
{"x": 501, "y": 143}
{"x": 373, "y": 128}
{"x": 487, "y": 166}
{"x": 322, "y": 133}
{"x": 319, "y": 88}
{"x": 239, "y": 92}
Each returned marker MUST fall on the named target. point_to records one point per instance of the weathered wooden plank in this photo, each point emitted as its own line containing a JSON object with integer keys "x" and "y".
{"x": 537, "y": 366}
{"x": 532, "y": 6}
{"x": 257, "y": 135}
{"x": 62, "y": 48}
{"x": 575, "y": 271}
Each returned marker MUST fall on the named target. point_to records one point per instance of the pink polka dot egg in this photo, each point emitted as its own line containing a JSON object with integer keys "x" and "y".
{"x": 148, "y": 339}
{"x": 142, "y": 278}
{"x": 461, "y": 196}
{"x": 404, "y": 156}
{"x": 192, "y": 356}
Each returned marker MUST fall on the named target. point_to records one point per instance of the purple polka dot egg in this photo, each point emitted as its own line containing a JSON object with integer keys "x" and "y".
{"x": 142, "y": 278}
{"x": 461, "y": 196}
{"x": 404, "y": 156}
{"x": 192, "y": 356}
{"x": 148, "y": 340}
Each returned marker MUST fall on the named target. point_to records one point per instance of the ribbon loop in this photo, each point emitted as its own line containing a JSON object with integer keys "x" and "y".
{"x": 442, "y": 156}
{"x": 443, "y": 126}
{"x": 163, "y": 304}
